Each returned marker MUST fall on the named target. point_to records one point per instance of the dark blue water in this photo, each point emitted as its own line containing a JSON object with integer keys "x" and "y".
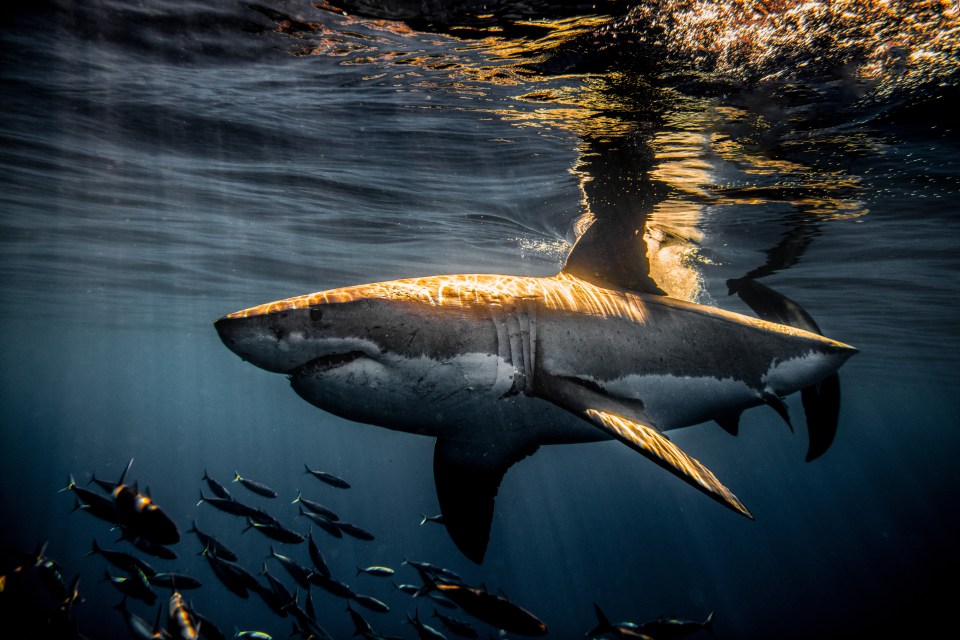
{"x": 162, "y": 165}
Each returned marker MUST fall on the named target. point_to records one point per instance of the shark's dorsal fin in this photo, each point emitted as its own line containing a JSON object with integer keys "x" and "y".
{"x": 608, "y": 254}
{"x": 468, "y": 478}
{"x": 626, "y": 423}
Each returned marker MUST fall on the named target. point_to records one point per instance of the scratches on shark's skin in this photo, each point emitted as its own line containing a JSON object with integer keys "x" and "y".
{"x": 413, "y": 336}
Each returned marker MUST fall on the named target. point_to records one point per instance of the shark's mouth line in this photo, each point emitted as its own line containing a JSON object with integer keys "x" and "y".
{"x": 325, "y": 363}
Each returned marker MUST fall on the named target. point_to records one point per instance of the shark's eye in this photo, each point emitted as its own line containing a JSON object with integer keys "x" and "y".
{"x": 316, "y": 314}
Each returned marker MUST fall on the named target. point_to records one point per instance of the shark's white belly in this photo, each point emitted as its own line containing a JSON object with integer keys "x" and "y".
{"x": 671, "y": 402}
{"x": 468, "y": 397}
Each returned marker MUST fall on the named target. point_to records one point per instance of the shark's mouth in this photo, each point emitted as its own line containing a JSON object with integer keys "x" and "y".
{"x": 325, "y": 363}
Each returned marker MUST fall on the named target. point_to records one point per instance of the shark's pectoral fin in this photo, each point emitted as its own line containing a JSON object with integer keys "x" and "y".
{"x": 777, "y": 404}
{"x": 636, "y": 431}
{"x": 647, "y": 440}
{"x": 821, "y": 404}
{"x": 468, "y": 478}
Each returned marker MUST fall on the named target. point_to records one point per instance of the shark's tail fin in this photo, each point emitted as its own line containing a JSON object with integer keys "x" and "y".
{"x": 821, "y": 402}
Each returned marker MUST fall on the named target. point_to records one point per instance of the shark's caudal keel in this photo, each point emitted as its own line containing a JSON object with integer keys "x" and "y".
{"x": 495, "y": 366}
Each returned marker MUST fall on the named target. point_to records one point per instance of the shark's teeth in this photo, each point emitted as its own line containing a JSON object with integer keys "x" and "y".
{"x": 327, "y": 363}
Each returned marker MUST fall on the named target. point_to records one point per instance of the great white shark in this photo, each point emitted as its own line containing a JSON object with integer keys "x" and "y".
{"x": 494, "y": 366}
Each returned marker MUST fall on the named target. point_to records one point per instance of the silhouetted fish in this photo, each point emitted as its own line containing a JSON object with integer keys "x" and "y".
{"x": 106, "y": 485}
{"x": 208, "y": 630}
{"x": 257, "y": 487}
{"x": 665, "y": 628}
{"x": 332, "y": 585}
{"x": 424, "y": 631}
{"x": 493, "y": 609}
{"x": 296, "y": 571}
{"x": 237, "y": 508}
{"x": 122, "y": 561}
{"x": 434, "y": 571}
{"x": 329, "y": 478}
{"x": 151, "y": 548}
{"x": 381, "y": 572}
{"x": 442, "y": 600}
{"x": 409, "y": 589}
{"x": 458, "y": 627}
{"x": 277, "y": 596}
{"x": 176, "y": 581}
{"x": 96, "y": 504}
{"x": 234, "y": 577}
{"x": 308, "y": 605}
{"x": 319, "y": 564}
{"x": 48, "y": 571}
{"x": 360, "y": 625}
{"x": 139, "y": 628}
{"x": 355, "y": 531}
{"x": 619, "y": 630}
{"x": 209, "y": 542}
{"x": 218, "y": 489}
{"x": 275, "y": 531}
{"x": 371, "y": 603}
{"x": 73, "y": 596}
{"x": 135, "y": 585}
{"x": 141, "y": 516}
{"x": 309, "y": 628}
{"x": 316, "y": 507}
{"x": 181, "y": 624}
{"x": 437, "y": 519}
{"x": 323, "y": 522}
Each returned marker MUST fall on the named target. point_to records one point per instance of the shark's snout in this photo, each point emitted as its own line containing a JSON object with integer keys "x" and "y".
{"x": 261, "y": 340}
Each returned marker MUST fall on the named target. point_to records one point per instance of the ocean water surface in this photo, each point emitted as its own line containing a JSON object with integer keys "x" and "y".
{"x": 164, "y": 164}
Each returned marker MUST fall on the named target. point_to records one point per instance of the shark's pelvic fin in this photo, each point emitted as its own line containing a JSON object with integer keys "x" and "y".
{"x": 821, "y": 402}
{"x": 730, "y": 423}
{"x": 467, "y": 476}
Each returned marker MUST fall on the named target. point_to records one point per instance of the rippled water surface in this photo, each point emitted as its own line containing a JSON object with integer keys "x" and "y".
{"x": 164, "y": 164}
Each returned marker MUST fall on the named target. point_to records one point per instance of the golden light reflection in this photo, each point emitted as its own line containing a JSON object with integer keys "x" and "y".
{"x": 705, "y": 151}
{"x": 561, "y": 292}
{"x": 884, "y": 44}
{"x": 660, "y": 449}
{"x": 179, "y": 613}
